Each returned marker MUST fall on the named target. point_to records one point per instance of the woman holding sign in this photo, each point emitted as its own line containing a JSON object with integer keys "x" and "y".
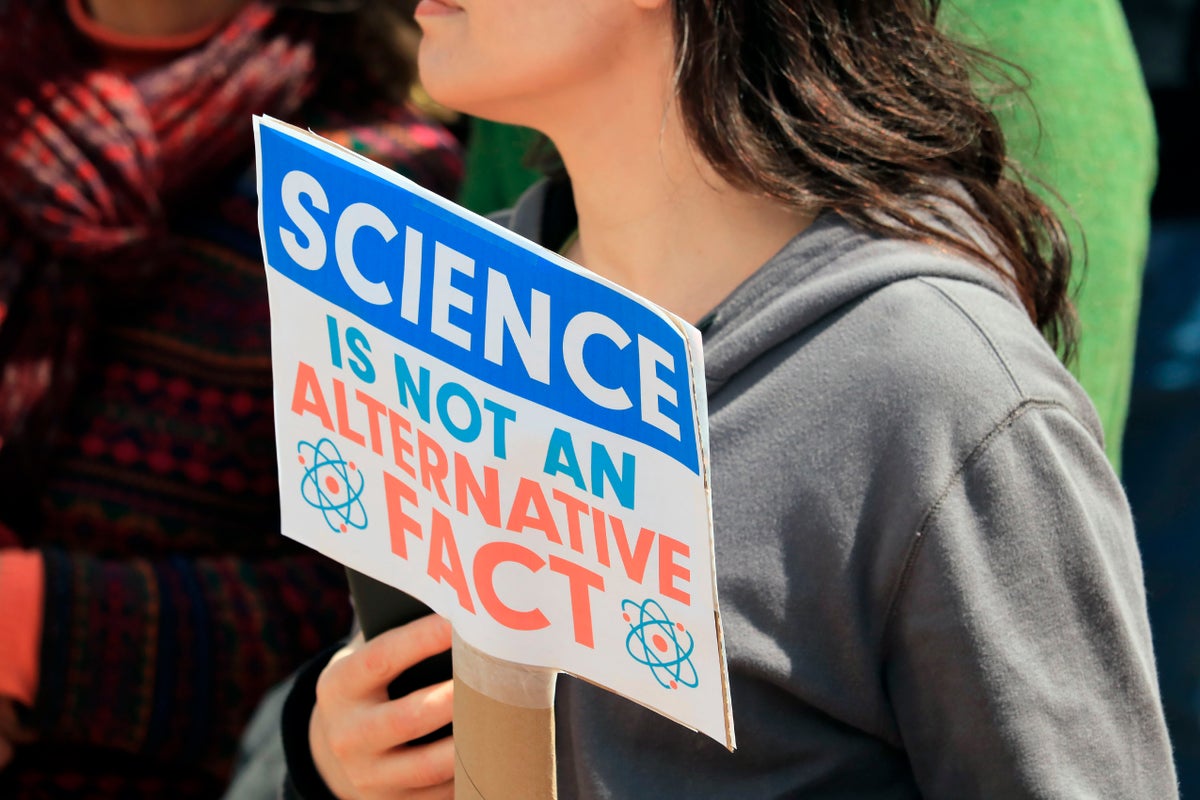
{"x": 928, "y": 576}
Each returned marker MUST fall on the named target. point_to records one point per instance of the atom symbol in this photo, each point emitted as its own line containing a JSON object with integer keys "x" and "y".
{"x": 659, "y": 644}
{"x": 332, "y": 486}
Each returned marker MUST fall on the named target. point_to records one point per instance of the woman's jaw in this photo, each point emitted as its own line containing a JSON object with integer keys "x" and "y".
{"x": 543, "y": 63}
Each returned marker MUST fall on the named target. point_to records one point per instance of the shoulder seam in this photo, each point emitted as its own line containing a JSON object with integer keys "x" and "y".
{"x": 979, "y": 331}
{"x": 918, "y": 538}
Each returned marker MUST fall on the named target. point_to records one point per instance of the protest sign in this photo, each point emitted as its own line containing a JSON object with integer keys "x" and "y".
{"x": 469, "y": 417}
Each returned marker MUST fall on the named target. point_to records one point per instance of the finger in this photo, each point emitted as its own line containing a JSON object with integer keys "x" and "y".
{"x": 354, "y": 645}
{"x": 377, "y": 662}
{"x": 407, "y": 718}
{"x": 423, "y": 771}
{"x": 327, "y": 761}
{"x": 350, "y": 648}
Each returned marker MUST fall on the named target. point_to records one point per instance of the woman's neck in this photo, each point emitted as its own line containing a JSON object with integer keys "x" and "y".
{"x": 660, "y": 221}
{"x": 161, "y": 17}
{"x": 654, "y": 215}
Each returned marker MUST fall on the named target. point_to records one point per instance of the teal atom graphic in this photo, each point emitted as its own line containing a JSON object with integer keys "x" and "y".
{"x": 662, "y": 645}
{"x": 332, "y": 485}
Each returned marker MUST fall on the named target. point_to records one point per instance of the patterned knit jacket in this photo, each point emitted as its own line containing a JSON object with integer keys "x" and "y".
{"x": 172, "y": 602}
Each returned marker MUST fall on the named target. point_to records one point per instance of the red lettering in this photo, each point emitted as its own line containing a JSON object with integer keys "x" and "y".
{"x": 399, "y": 523}
{"x": 487, "y": 497}
{"x": 529, "y": 493}
{"x": 574, "y": 508}
{"x": 307, "y": 385}
{"x": 487, "y": 558}
{"x": 402, "y": 447}
{"x": 601, "y": 536}
{"x": 375, "y": 411}
{"x": 343, "y": 418}
{"x": 434, "y": 465}
{"x": 635, "y": 562}
{"x": 581, "y": 579}
{"x": 449, "y": 568}
{"x": 668, "y": 570}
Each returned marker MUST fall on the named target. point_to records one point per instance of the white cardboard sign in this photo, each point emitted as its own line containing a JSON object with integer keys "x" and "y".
{"x": 471, "y": 418}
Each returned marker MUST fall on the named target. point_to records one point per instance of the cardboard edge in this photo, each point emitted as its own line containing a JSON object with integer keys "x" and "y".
{"x": 695, "y": 349}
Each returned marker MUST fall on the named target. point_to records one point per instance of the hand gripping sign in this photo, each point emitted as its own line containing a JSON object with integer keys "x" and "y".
{"x": 475, "y": 420}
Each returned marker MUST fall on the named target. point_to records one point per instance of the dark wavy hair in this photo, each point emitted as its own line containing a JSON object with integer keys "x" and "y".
{"x": 865, "y": 108}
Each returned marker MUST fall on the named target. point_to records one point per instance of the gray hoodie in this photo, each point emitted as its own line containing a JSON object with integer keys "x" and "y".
{"x": 927, "y": 569}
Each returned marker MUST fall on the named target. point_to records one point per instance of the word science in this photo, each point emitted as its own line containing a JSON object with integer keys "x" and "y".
{"x": 479, "y": 422}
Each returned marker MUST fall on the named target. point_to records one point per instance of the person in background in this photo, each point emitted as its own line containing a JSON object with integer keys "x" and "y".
{"x": 148, "y": 598}
{"x": 1162, "y": 441}
{"x": 930, "y": 585}
{"x": 1082, "y": 127}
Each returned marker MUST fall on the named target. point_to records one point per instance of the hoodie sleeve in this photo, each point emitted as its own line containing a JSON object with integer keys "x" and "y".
{"x": 1020, "y": 657}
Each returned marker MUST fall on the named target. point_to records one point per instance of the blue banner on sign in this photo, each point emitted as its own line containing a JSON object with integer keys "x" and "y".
{"x": 438, "y": 278}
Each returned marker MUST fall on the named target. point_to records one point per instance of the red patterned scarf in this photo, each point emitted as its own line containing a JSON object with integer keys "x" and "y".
{"x": 89, "y": 161}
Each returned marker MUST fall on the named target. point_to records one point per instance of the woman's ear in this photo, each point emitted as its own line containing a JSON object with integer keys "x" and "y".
{"x": 651, "y": 5}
